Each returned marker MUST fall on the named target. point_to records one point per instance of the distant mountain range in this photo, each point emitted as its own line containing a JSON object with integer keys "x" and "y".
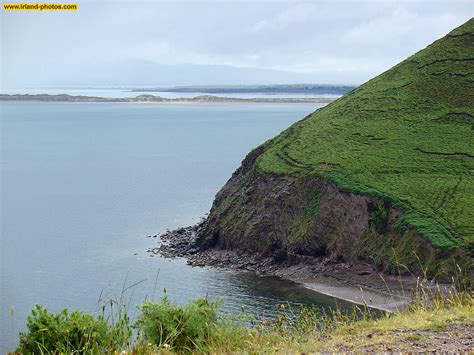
{"x": 254, "y": 89}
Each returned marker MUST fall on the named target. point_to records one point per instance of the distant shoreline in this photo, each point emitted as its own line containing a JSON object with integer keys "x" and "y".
{"x": 158, "y": 99}
{"x": 280, "y": 89}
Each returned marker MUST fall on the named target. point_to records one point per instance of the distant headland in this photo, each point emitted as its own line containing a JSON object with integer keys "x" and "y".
{"x": 305, "y": 89}
{"x": 159, "y": 99}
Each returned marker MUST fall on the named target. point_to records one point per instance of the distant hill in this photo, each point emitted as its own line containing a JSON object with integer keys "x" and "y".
{"x": 384, "y": 174}
{"x": 309, "y": 89}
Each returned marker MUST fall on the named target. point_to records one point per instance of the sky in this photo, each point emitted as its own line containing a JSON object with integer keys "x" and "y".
{"x": 153, "y": 43}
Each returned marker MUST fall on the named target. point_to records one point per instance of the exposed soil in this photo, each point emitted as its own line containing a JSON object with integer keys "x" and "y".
{"x": 307, "y": 219}
{"x": 452, "y": 339}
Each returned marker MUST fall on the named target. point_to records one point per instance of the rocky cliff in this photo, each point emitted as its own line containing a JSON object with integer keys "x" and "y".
{"x": 385, "y": 174}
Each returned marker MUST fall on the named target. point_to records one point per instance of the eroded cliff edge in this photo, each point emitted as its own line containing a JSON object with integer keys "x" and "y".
{"x": 383, "y": 175}
{"x": 288, "y": 218}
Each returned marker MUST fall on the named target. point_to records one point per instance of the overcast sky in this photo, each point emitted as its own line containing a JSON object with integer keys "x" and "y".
{"x": 107, "y": 43}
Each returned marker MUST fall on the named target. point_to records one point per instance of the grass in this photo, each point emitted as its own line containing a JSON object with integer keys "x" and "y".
{"x": 198, "y": 327}
{"x": 405, "y": 137}
{"x": 394, "y": 332}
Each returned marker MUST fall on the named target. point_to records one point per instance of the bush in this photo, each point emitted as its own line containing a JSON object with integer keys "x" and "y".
{"x": 67, "y": 332}
{"x": 185, "y": 328}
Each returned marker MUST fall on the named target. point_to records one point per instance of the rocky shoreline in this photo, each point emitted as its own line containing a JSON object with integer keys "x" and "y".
{"x": 359, "y": 282}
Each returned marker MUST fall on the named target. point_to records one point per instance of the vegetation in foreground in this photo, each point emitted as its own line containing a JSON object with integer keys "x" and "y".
{"x": 433, "y": 322}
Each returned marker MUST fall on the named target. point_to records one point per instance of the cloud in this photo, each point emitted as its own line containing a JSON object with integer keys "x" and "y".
{"x": 297, "y": 14}
{"x": 329, "y": 41}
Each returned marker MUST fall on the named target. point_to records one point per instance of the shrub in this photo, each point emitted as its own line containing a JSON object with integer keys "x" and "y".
{"x": 167, "y": 325}
{"x": 67, "y": 332}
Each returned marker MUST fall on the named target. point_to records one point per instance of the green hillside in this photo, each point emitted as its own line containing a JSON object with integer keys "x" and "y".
{"x": 405, "y": 136}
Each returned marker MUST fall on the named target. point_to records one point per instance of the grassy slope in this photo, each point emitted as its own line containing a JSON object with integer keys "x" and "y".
{"x": 405, "y": 136}
{"x": 404, "y": 332}
{"x": 435, "y": 329}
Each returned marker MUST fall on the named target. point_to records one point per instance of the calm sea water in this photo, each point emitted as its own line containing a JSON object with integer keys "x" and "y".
{"x": 82, "y": 185}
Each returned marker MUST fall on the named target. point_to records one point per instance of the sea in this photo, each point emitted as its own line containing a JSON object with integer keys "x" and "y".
{"x": 84, "y": 185}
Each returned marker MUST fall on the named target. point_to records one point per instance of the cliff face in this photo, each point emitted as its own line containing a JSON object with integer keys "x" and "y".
{"x": 289, "y": 218}
{"x": 383, "y": 174}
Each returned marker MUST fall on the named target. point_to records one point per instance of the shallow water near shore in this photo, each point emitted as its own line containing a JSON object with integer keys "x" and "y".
{"x": 83, "y": 186}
